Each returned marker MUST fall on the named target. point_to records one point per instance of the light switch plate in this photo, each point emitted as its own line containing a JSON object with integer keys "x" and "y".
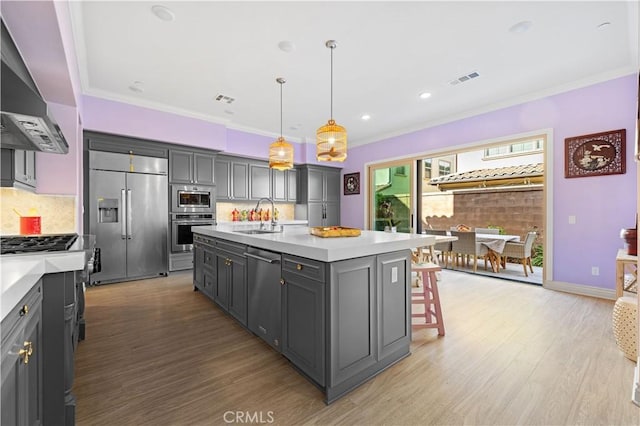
{"x": 572, "y": 220}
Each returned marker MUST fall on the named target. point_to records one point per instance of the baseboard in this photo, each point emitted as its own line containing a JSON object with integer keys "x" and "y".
{"x": 583, "y": 290}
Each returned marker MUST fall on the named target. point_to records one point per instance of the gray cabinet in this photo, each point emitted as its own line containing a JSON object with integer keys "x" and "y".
{"x": 284, "y": 185}
{"x": 232, "y": 179}
{"x": 18, "y": 168}
{"x": 259, "y": 181}
{"x": 231, "y": 281}
{"x": 191, "y": 168}
{"x": 320, "y": 189}
{"x": 204, "y": 260}
{"x": 21, "y": 362}
{"x": 303, "y": 315}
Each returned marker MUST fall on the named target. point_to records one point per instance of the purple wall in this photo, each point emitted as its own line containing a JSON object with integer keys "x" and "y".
{"x": 603, "y": 205}
{"x": 107, "y": 116}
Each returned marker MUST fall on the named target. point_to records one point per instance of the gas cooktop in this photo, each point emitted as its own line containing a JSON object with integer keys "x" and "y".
{"x": 36, "y": 243}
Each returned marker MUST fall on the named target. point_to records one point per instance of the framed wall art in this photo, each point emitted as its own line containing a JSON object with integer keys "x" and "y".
{"x": 595, "y": 155}
{"x": 352, "y": 183}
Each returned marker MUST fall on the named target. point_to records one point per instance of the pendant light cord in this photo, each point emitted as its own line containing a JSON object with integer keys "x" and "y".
{"x": 331, "y": 109}
{"x": 280, "y": 109}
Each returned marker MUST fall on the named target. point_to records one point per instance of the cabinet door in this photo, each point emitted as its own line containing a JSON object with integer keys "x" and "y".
{"x": 315, "y": 182}
{"x": 31, "y": 372}
{"x": 180, "y": 167}
{"x": 239, "y": 181}
{"x": 315, "y": 214}
{"x": 203, "y": 169}
{"x": 259, "y": 183}
{"x": 238, "y": 288}
{"x": 332, "y": 185}
{"x": 198, "y": 264}
{"x": 352, "y": 326}
{"x": 279, "y": 184}
{"x": 221, "y": 291}
{"x": 394, "y": 313}
{"x": 292, "y": 185}
{"x": 303, "y": 324}
{"x": 222, "y": 172}
{"x": 331, "y": 214}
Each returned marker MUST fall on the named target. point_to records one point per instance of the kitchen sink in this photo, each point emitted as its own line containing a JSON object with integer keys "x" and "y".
{"x": 258, "y": 231}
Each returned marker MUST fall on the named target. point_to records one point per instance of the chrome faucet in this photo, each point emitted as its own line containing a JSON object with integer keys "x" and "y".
{"x": 274, "y": 223}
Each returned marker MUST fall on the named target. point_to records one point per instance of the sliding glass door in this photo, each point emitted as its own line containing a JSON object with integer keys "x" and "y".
{"x": 391, "y": 199}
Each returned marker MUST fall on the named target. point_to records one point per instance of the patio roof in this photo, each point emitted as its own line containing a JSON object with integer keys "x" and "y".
{"x": 525, "y": 174}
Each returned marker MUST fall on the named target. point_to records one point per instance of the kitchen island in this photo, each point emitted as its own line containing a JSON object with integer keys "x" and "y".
{"x": 337, "y": 308}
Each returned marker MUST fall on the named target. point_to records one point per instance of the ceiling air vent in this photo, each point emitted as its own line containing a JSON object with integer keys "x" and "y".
{"x": 464, "y": 78}
{"x": 224, "y": 98}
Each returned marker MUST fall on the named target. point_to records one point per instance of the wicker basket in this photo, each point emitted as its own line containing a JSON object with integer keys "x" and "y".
{"x": 625, "y": 324}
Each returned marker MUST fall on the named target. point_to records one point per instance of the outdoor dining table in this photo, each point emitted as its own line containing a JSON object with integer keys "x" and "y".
{"x": 495, "y": 246}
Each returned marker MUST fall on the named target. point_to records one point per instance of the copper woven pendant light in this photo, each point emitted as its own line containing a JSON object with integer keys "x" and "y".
{"x": 280, "y": 151}
{"x": 331, "y": 139}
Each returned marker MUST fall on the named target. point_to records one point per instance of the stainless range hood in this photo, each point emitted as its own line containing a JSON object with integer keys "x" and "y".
{"x": 25, "y": 120}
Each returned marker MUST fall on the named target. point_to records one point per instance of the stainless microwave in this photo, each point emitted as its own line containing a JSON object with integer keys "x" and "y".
{"x": 192, "y": 199}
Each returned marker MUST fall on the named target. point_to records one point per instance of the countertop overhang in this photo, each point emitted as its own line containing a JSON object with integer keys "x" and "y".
{"x": 20, "y": 272}
{"x": 298, "y": 241}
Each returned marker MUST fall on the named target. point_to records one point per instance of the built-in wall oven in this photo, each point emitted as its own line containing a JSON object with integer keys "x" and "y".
{"x": 192, "y": 199}
{"x": 181, "y": 223}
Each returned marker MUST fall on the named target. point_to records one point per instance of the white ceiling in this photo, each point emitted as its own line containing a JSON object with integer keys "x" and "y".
{"x": 387, "y": 54}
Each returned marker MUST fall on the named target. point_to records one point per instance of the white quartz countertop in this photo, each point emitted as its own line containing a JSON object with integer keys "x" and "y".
{"x": 19, "y": 273}
{"x": 299, "y": 242}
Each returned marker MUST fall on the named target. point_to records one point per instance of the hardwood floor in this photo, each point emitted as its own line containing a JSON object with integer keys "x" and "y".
{"x": 158, "y": 353}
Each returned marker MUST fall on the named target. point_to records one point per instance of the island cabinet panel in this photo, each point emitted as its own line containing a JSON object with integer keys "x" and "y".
{"x": 394, "y": 301}
{"x": 303, "y": 315}
{"x": 204, "y": 271}
{"x": 21, "y": 362}
{"x": 231, "y": 281}
{"x": 352, "y": 321}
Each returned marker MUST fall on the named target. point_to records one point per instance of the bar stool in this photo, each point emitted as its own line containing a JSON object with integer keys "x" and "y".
{"x": 429, "y": 296}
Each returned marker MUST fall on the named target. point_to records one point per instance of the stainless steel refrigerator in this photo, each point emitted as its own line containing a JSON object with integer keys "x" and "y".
{"x": 128, "y": 215}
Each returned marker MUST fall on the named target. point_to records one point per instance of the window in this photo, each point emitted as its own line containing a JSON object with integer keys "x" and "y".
{"x": 427, "y": 168}
{"x": 400, "y": 171}
{"x": 525, "y": 147}
{"x": 444, "y": 167}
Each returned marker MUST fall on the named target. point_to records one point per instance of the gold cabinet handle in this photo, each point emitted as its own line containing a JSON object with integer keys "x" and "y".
{"x": 26, "y": 352}
{"x": 299, "y": 267}
{"x": 281, "y": 281}
{"x": 24, "y": 311}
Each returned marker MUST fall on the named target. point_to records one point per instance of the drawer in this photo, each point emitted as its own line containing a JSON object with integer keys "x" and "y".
{"x": 231, "y": 247}
{"x": 203, "y": 240}
{"x": 209, "y": 259}
{"x": 304, "y": 267}
{"x": 18, "y": 315}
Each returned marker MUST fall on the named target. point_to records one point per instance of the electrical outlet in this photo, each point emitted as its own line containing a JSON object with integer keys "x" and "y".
{"x": 572, "y": 220}
{"x": 595, "y": 270}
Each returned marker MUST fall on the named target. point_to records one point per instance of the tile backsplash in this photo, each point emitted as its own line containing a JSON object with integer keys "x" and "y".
{"x": 223, "y": 210}
{"x": 57, "y": 212}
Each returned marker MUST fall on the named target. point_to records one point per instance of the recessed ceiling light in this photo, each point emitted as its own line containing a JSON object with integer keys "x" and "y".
{"x": 604, "y": 25}
{"x": 163, "y": 13}
{"x": 520, "y": 27}
{"x": 295, "y": 127}
{"x": 365, "y": 117}
{"x": 425, "y": 95}
{"x": 286, "y": 46}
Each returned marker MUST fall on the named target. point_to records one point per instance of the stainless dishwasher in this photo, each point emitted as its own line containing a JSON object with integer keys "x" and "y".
{"x": 264, "y": 316}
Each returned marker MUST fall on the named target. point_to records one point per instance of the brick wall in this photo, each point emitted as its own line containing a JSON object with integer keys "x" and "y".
{"x": 517, "y": 211}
